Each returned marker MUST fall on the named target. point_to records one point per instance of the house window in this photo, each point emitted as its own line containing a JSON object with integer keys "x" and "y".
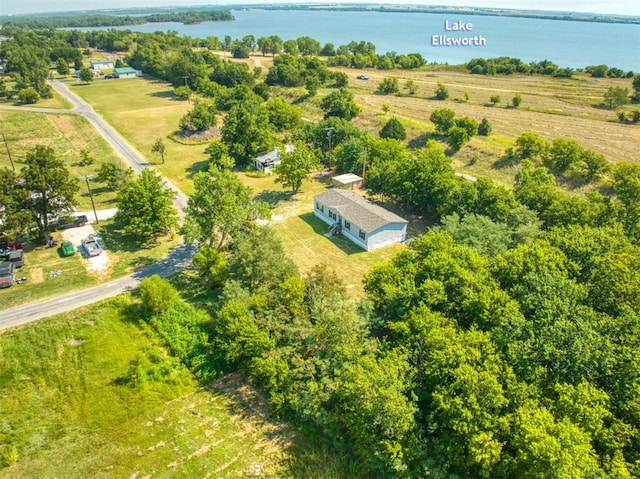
{"x": 362, "y": 234}
{"x": 332, "y": 215}
{"x": 320, "y": 207}
{"x": 347, "y": 225}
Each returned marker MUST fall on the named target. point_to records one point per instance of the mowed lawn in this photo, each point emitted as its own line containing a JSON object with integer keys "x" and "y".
{"x": 67, "y": 134}
{"x": 94, "y": 393}
{"x": 302, "y": 234}
{"x": 143, "y": 110}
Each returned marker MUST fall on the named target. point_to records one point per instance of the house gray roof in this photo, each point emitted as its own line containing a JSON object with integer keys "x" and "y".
{"x": 357, "y": 209}
{"x": 270, "y": 157}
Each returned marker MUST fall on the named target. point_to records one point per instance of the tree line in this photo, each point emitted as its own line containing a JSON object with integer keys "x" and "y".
{"x": 101, "y": 20}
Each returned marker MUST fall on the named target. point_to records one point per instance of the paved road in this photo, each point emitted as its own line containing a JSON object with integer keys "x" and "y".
{"x": 176, "y": 260}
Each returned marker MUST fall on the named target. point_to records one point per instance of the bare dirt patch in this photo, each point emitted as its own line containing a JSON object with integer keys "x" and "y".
{"x": 36, "y": 275}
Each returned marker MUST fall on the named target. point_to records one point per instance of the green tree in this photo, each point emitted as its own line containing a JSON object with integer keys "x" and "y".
{"x": 457, "y": 137}
{"x": 221, "y": 209}
{"x": 86, "y": 75}
{"x": 340, "y": 80}
{"x": 312, "y": 83}
{"x": 441, "y": 93}
{"x": 159, "y": 147}
{"x": 616, "y": 96}
{"x": 411, "y": 86}
{"x": 562, "y": 154}
{"x": 388, "y": 86}
{"x": 14, "y": 198}
{"x": 52, "y": 185}
{"x": 495, "y": 99}
{"x": 393, "y": 129}
{"x": 114, "y": 175}
{"x": 282, "y": 115}
{"x": 516, "y": 101}
{"x": 529, "y": 146}
{"x": 200, "y": 118}
{"x": 247, "y": 130}
{"x": 295, "y": 167}
{"x": 212, "y": 265}
{"x": 340, "y": 103}
{"x": 28, "y": 96}
{"x": 259, "y": 262}
{"x": 443, "y": 119}
{"x": 62, "y": 67}
{"x": 87, "y": 159}
{"x": 592, "y": 165}
{"x": 219, "y": 155}
{"x": 145, "y": 206}
{"x": 157, "y": 294}
{"x": 469, "y": 125}
{"x": 484, "y": 128}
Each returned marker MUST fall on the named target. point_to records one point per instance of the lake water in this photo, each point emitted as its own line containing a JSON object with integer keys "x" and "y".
{"x": 568, "y": 44}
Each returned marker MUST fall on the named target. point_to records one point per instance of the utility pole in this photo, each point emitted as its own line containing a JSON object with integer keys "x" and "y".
{"x": 6, "y": 145}
{"x": 329, "y": 129}
{"x": 95, "y": 213}
{"x": 364, "y": 165}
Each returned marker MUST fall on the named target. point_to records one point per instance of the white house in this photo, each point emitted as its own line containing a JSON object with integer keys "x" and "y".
{"x": 126, "y": 72}
{"x": 97, "y": 65}
{"x": 366, "y": 224}
{"x": 266, "y": 162}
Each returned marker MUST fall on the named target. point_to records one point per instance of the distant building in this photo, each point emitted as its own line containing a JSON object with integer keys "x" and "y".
{"x": 266, "y": 162}
{"x": 98, "y": 65}
{"x": 348, "y": 180}
{"x": 364, "y": 223}
{"x": 126, "y": 72}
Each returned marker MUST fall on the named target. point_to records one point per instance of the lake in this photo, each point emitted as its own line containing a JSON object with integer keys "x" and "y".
{"x": 568, "y": 44}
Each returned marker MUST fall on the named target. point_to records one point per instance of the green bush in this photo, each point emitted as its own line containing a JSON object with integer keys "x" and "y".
{"x": 157, "y": 294}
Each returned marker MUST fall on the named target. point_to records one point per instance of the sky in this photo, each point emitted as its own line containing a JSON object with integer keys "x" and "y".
{"x": 623, "y": 7}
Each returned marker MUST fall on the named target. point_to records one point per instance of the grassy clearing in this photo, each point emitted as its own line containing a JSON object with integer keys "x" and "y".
{"x": 70, "y": 408}
{"x": 55, "y": 102}
{"x": 143, "y": 110}
{"x": 67, "y": 134}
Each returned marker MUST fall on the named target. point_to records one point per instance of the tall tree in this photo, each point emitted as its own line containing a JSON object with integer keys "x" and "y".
{"x": 159, "y": 147}
{"x": 15, "y": 216}
{"x": 393, "y": 129}
{"x": 220, "y": 209}
{"x": 295, "y": 167}
{"x": 340, "y": 103}
{"x": 52, "y": 185}
{"x": 145, "y": 206}
{"x": 247, "y": 130}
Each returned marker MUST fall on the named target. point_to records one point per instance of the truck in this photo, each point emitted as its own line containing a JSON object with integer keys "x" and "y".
{"x": 6, "y": 274}
{"x": 16, "y": 256}
{"x": 91, "y": 246}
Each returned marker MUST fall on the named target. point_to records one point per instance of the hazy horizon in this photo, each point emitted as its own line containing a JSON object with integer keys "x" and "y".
{"x": 619, "y": 7}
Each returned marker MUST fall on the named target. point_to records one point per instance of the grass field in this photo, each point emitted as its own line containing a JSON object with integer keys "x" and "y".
{"x": 143, "y": 110}
{"x": 67, "y": 134}
{"x": 94, "y": 393}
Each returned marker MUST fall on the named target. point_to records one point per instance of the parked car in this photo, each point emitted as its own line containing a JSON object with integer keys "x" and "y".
{"x": 6, "y": 274}
{"x": 67, "y": 248}
{"x": 362, "y": 77}
{"x": 91, "y": 246}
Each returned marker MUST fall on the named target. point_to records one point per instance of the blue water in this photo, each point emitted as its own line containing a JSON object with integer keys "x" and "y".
{"x": 568, "y": 44}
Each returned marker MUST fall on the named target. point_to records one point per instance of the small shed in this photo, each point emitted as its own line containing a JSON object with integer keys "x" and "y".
{"x": 348, "y": 181}
{"x": 126, "y": 72}
{"x": 266, "y": 162}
